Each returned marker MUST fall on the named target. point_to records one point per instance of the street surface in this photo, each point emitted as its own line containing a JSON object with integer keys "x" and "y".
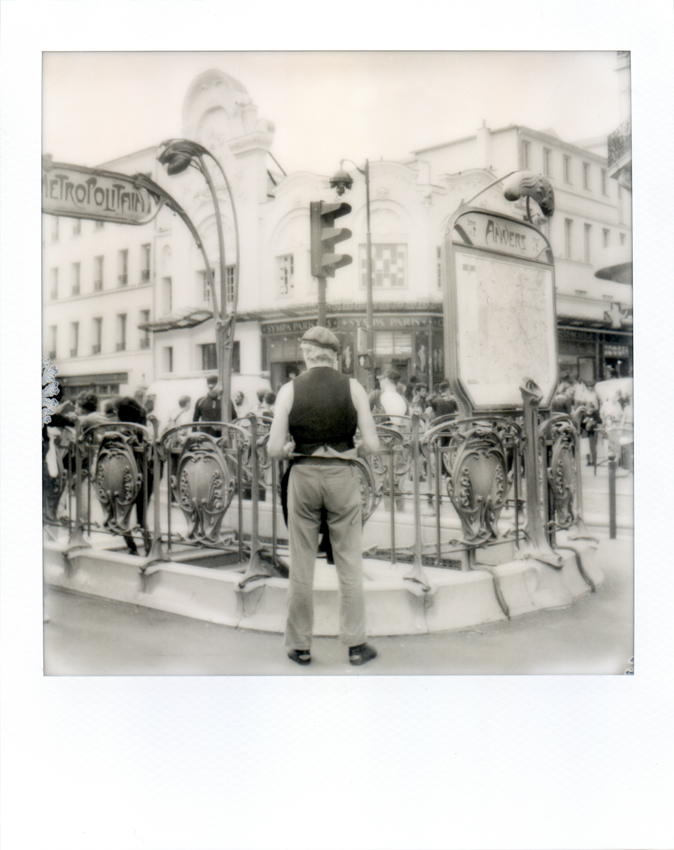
{"x": 94, "y": 636}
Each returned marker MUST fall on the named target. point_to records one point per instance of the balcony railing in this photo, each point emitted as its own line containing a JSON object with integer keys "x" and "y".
{"x": 620, "y": 143}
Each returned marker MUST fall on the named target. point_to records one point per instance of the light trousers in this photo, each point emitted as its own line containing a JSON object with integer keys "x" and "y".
{"x": 335, "y": 487}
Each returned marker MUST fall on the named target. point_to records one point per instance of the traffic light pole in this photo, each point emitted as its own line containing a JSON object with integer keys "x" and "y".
{"x": 322, "y": 310}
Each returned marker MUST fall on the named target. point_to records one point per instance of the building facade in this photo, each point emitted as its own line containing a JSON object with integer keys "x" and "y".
{"x": 125, "y": 306}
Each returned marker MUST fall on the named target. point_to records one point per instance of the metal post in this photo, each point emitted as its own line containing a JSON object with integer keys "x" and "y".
{"x": 156, "y": 550}
{"x": 416, "y": 574}
{"x": 369, "y": 308}
{"x": 321, "y": 301}
{"x": 223, "y": 350}
{"x": 612, "y": 466}
{"x": 539, "y": 546}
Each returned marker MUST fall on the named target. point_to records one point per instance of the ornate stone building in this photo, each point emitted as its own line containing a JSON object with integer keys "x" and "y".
{"x": 154, "y": 275}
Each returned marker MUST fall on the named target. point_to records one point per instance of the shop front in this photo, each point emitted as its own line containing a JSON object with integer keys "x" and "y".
{"x": 410, "y": 342}
{"x": 594, "y": 355}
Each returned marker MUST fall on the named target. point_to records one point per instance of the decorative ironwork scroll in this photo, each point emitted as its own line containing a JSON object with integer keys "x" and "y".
{"x": 394, "y": 461}
{"x": 203, "y": 487}
{"x": 562, "y": 478}
{"x": 478, "y": 482}
{"x": 117, "y": 480}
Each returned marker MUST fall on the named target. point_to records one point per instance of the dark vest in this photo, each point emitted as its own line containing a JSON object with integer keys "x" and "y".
{"x": 322, "y": 413}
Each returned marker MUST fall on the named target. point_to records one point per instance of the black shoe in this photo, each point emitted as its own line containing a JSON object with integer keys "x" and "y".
{"x": 362, "y": 654}
{"x": 300, "y": 656}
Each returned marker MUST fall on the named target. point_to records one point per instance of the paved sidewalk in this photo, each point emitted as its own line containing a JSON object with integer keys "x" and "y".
{"x": 92, "y": 636}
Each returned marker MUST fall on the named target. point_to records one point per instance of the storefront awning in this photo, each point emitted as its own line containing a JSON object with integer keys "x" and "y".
{"x": 187, "y": 318}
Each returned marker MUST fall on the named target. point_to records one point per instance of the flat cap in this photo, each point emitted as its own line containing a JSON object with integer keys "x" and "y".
{"x": 322, "y": 337}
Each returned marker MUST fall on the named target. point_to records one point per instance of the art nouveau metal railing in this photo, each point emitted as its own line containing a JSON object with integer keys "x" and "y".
{"x": 207, "y": 484}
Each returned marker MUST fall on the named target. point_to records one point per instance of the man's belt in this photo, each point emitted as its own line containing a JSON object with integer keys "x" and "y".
{"x": 323, "y": 461}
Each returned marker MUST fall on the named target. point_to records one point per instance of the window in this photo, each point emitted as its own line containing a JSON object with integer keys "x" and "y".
{"x": 209, "y": 360}
{"x": 97, "y": 335}
{"x": 439, "y": 255}
{"x": 623, "y": 239}
{"x": 52, "y": 342}
{"x": 145, "y": 256}
{"x": 286, "y": 274}
{"x": 568, "y": 234}
{"x": 98, "y": 274}
{"x": 123, "y": 267}
{"x": 145, "y": 332}
{"x": 54, "y": 291}
{"x": 586, "y": 175}
{"x": 388, "y": 266}
{"x": 167, "y": 358}
{"x": 121, "y": 332}
{"x": 55, "y": 228}
{"x": 205, "y": 286}
{"x": 77, "y": 226}
{"x": 526, "y": 153}
{"x": 74, "y": 338}
{"x": 98, "y": 225}
{"x": 229, "y": 282}
{"x": 75, "y": 279}
{"x": 236, "y": 356}
{"x": 603, "y": 182}
{"x": 605, "y": 237}
{"x": 166, "y": 295}
{"x": 393, "y": 344}
{"x": 587, "y": 235}
{"x": 547, "y": 162}
{"x": 567, "y": 169}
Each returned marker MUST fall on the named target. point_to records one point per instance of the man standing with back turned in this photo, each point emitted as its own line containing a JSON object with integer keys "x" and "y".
{"x": 321, "y": 410}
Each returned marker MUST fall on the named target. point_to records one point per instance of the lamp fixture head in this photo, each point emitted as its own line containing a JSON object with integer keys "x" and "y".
{"x": 341, "y": 180}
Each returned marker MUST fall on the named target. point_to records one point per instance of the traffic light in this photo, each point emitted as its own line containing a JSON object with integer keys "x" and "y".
{"x": 324, "y": 235}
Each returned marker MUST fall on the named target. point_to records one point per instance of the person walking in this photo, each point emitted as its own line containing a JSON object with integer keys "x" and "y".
{"x": 321, "y": 410}
{"x": 388, "y": 400}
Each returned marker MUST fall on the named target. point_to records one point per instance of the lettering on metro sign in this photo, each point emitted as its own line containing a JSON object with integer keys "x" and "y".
{"x": 486, "y": 230}
{"x": 80, "y": 192}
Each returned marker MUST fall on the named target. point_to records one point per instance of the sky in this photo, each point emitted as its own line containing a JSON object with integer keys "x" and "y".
{"x": 327, "y": 106}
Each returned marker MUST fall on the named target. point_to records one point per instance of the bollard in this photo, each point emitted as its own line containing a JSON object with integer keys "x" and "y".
{"x": 612, "y": 466}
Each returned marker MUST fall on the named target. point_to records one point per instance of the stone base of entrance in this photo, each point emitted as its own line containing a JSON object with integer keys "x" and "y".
{"x": 396, "y": 604}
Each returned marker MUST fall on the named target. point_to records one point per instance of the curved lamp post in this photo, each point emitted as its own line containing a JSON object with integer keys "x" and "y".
{"x": 178, "y": 155}
{"x": 341, "y": 181}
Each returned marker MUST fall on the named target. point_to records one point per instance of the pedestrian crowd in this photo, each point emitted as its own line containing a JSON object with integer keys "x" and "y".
{"x": 610, "y": 416}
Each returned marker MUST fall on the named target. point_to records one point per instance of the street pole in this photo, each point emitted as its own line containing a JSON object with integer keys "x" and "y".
{"x": 178, "y": 155}
{"x": 322, "y": 301}
{"x": 369, "y": 308}
{"x": 223, "y": 351}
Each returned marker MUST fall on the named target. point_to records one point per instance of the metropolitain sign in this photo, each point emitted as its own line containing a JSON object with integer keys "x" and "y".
{"x": 80, "y": 192}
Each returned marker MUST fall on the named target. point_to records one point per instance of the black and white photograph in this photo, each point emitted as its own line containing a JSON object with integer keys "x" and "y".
{"x": 349, "y": 527}
{"x": 399, "y": 287}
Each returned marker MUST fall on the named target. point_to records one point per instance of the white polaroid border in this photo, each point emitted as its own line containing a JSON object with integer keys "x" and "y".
{"x": 381, "y": 762}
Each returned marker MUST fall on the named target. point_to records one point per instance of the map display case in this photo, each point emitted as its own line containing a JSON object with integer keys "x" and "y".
{"x": 499, "y": 290}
